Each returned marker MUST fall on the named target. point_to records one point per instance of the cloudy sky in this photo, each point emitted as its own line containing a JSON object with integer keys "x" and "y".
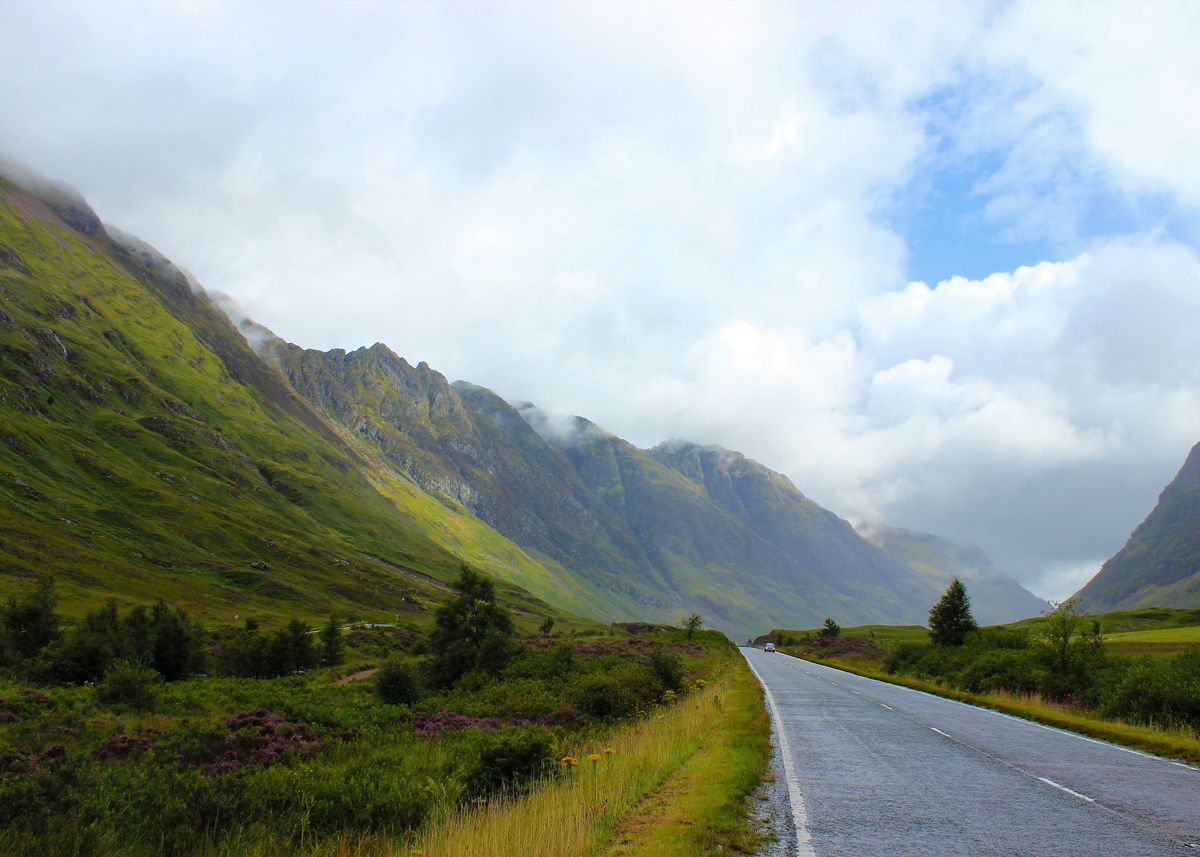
{"x": 938, "y": 262}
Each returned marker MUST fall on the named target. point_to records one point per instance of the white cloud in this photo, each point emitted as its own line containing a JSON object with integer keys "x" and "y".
{"x": 677, "y": 223}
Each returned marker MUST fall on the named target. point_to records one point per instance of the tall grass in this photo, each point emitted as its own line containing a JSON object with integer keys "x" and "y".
{"x": 577, "y": 813}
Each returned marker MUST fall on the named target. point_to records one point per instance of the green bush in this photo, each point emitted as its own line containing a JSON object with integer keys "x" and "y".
{"x": 510, "y": 761}
{"x": 397, "y": 683}
{"x": 128, "y": 684}
{"x": 613, "y": 694}
{"x": 668, "y": 669}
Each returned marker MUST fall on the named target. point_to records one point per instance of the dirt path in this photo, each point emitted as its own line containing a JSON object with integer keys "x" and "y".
{"x": 358, "y": 676}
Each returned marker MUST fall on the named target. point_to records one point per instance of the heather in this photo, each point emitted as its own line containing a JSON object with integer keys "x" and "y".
{"x": 310, "y": 753}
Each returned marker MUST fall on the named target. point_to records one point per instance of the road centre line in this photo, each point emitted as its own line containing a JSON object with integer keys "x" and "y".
{"x": 939, "y": 731}
{"x": 1027, "y": 722}
{"x": 1062, "y": 788}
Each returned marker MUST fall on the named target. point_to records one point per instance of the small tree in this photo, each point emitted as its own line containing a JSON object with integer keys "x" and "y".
{"x": 692, "y": 624}
{"x": 333, "y": 650}
{"x": 831, "y": 628}
{"x": 471, "y": 632}
{"x": 950, "y": 620}
{"x": 31, "y": 623}
{"x": 547, "y": 625}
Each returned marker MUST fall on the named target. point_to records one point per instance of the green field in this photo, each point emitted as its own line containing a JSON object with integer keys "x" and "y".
{"x": 1123, "y": 621}
{"x": 880, "y": 633}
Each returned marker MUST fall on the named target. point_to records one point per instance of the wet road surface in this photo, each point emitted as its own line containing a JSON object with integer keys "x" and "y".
{"x": 876, "y": 769}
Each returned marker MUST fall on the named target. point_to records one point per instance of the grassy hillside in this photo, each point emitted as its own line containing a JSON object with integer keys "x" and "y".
{"x": 146, "y": 451}
{"x": 1160, "y": 564}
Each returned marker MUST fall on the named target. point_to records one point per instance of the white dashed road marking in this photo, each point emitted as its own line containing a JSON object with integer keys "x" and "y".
{"x": 1067, "y": 790}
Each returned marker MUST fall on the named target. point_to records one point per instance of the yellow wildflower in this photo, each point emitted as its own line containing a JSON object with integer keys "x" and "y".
{"x": 609, "y": 750}
{"x": 593, "y": 757}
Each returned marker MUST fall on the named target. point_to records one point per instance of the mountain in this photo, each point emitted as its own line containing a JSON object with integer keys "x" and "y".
{"x": 1160, "y": 564}
{"x": 651, "y": 534}
{"x": 995, "y": 598}
{"x": 146, "y": 450}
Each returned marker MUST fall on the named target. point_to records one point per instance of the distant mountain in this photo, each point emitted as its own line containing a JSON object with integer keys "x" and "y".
{"x": 1160, "y": 564}
{"x": 995, "y": 599}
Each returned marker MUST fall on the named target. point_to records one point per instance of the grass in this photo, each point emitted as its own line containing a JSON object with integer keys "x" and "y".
{"x": 1161, "y": 642}
{"x": 879, "y": 633}
{"x": 702, "y": 808}
{"x": 1177, "y": 744}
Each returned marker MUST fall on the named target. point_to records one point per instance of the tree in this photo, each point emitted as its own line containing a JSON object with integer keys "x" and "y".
{"x": 332, "y": 648}
{"x": 831, "y": 628}
{"x": 471, "y": 632}
{"x": 547, "y": 625}
{"x": 950, "y": 620}
{"x": 692, "y": 624}
{"x": 1073, "y": 653}
{"x": 31, "y": 623}
{"x": 176, "y": 643}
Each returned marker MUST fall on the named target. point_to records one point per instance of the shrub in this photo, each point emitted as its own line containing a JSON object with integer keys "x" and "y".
{"x": 616, "y": 694}
{"x": 510, "y": 760}
{"x": 128, "y": 684}
{"x": 397, "y": 683}
{"x": 668, "y": 669}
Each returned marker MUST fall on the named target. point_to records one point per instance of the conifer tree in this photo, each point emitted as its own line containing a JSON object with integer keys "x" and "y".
{"x": 950, "y": 619}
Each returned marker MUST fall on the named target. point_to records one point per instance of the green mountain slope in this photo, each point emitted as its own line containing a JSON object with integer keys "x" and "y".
{"x": 146, "y": 450}
{"x": 1160, "y": 564}
{"x": 995, "y": 599}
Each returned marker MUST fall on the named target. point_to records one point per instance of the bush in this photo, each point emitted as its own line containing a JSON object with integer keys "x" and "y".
{"x": 668, "y": 669}
{"x": 128, "y": 684}
{"x": 511, "y": 760}
{"x": 397, "y": 683}
{"x": 616, "y": 694}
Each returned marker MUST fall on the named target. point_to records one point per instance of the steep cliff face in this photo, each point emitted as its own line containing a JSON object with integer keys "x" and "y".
{"x": 468, "y": 446}
{"x": 1160, "y": 564}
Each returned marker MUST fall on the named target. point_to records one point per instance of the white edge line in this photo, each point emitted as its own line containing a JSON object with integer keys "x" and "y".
{"x": 1067, "y": 790}
{"x": 939, "y": 731}
{"x": 804, "y": 846}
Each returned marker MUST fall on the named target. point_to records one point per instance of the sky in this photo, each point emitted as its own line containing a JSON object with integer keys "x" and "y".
{"x": 937, "y": 262}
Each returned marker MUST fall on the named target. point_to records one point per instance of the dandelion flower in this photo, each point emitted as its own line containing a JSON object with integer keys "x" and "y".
{"x": 593, "y": 757}
{"x": 609, "y": 751}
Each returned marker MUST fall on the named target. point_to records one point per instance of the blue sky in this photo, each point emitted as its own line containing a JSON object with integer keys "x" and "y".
{"x": 697, "y": 220}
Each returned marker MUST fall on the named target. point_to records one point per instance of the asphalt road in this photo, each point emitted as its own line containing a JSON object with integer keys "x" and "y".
{"x": 876, "y": 769}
